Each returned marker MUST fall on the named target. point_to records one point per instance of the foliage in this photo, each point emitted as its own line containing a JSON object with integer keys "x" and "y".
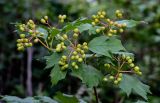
{"x": 69, "y": 56}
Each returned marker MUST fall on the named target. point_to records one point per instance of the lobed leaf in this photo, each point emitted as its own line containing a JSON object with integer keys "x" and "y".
{"x": 132, "y": 84}
{"x": 104, "y": 45}
{"x": 57, "y": 74}
{"x": 88, "y": 74}
{"x": 129, "y": 23}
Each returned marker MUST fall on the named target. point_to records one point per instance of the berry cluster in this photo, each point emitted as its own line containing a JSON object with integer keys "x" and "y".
{"x": 60, "y": 47}
{"x": 76, "y": 51}
{"x": 23, "y": 42}
{"x": 62, "y": 18}
{"x": 119, "y": 14}
{"x": 63, "y": 62}
{"x": 78, "y": 54}
{"x": 44, "y": 20}
{"x": 129, "y": 61}
{"x": 107, "y": 26}
{"x": 76, "y": 33}
{"x": 32, "y": 34}
{"x": 117, "y": 71}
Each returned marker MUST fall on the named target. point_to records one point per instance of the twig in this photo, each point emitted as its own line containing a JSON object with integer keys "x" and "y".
{"x": 95, "y": 92}
{"x": 44, "y": 44}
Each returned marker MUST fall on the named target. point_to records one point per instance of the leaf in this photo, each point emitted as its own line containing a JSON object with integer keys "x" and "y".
{"x": 57, "y": 74}
{"x": 42, "y": 31}
{"x": 45, "y": 99}
{"x": 130, "y": 84}
{"x": 63, "y": 98}
{"x": 54, "y": 32}
{"x": 84, "y": 27}
{"x": 36, "y": 99}
{"x": 75, "y": 24}
{"x": 103, "y": 45}
{"x": 129, "y": 23}
{"x": 92, "y": 30}
{"x": 88, "y": 74}
{"x": 11, "y": 99}
{"x": 52, "y": 59}
{"x": 125, "y": 53}
{"x": 139, "y": 101}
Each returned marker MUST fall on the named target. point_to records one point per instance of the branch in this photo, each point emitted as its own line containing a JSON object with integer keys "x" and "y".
{"x": 95, "y": 92}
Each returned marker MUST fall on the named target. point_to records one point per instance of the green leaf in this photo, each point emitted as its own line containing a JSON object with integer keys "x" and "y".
{"x": 42, "y": 31}
{"x": 88, "y": 74}
{"x": 125, "y": 53}
{"x": 54, "y": 32}
{"x": 104, "y": 45}
{"x": 57, "y": 74}
{"x": 92, "y": 30}
{"x": 45, "y": 99}
{"x": 139, "y": 101}
{"x": 36, "y": 99}
{"x": 75, "y": 24}
{"x": 63, "y": 98}
{"x": 130, "y": 23}
{"x": 84, "y": 27}
{"x": 52, "y": 59}
{"x": 11, "y": 99}
{"x": 132, "y": 84}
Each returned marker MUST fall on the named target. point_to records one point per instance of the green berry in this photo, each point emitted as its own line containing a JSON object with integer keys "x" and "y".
{"x": 58, "y": 49}
{"x": 131, "y": 65}
{"x": 43, "y": 21}
{"x": 136, "y": 68}
{"x": 21, "y": 48}
{"x": 105, "y": 79}
{"x": 98, "y": 30}
{"x": 80, "y": 59}
{"x": 119, "y": 79}
{"x": 128, "y": 57}
{"x": 36, "y": 40}
{"x": 111, "y": 77}
{"x": 109, "y": 34}
{"x": 73, "y": 64}
{"x": 46, "y": 17}
{"x": 64, "y": 57}
{"x": 30, "y": 44}
{"x": 76, "y": 30}
{"x": 93, "y": 23}
{"x": 76, "y": 67}
{"x": 120, "y": 75}
{"x": 129, "y": 61}
{"x": 75, "y": 35}
{"x": 65, "y": 36}
{"x": 22, "y": 35}
{"x": 66, "y": 66}
{"x": 116, "y": 82}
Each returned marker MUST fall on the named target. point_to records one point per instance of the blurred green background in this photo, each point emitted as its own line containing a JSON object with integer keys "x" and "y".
{"x": 143, "y": 41}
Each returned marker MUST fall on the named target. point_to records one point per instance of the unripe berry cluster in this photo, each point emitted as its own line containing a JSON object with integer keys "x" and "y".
{"x": 119, "y": 14}
{"x": 107, "y": 26}
{"x": 44, "y": 20}
{"x": 125, "y": 65}
{"x": 23, "y": 42}
{"x": 60, "y": 47}
{"x": 28, "y": 28}
{"x": 76, "y": 33}
{"x": 62, "y": 18}
{"x": 63, "y": 62}
{"x": 78, "y": 54}
{"x": 129, "y": 61}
